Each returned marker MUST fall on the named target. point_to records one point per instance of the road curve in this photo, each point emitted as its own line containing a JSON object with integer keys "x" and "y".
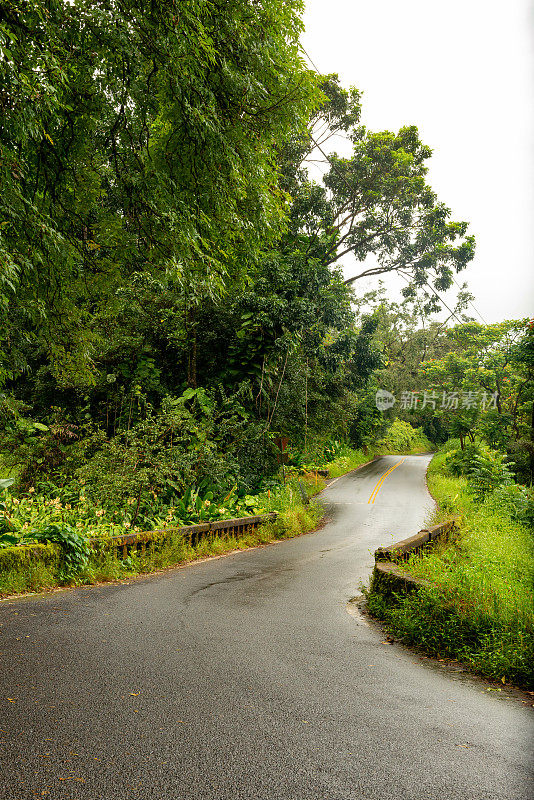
{"x": 244, "y": 677}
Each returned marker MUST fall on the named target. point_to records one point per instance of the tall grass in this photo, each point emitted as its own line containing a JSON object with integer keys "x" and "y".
{"x": 481, "y": 610}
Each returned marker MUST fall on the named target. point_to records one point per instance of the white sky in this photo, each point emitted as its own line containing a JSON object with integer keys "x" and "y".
{"x": 463, "y": 72}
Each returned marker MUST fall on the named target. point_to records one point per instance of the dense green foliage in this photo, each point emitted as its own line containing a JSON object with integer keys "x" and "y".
{"x": 170, "y": 287}
{"x": 67, "y": 556}
{"x": 74, "y": 547}
{"x": 147, "y": 162}
{"x": 466, "y": 380}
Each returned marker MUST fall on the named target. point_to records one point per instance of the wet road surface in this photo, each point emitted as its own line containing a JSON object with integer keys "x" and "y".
{"x": 244, "y": 677}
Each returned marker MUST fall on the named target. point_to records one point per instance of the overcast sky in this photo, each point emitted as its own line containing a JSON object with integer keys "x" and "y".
{"x": 463, "y": 72}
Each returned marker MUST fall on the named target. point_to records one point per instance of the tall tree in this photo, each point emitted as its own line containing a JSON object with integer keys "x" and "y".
{"x": 375, "y": 205}
{"x": 150, "y": 150}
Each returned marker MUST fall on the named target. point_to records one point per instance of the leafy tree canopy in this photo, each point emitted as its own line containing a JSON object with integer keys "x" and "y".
{"x": 136, "y": 139}
{"x": 375, "y": 205}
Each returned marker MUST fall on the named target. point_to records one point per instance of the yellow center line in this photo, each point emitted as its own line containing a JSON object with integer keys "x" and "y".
{"x": 381, "y": 480}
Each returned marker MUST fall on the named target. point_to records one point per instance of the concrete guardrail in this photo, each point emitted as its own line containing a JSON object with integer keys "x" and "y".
{"x": 192, "y": 533}
{"x": 388, "y": 577}
{"x": 20, "y": 556}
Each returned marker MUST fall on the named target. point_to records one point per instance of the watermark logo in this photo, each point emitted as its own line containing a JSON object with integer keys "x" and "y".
{"x": 384, "y": 400}
{"x": 449, "y": 401}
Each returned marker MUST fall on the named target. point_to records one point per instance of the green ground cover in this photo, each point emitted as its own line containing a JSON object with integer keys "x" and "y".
{"x": 481, "y": 609}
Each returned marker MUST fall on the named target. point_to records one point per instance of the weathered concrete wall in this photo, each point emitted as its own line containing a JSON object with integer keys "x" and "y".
{"x": 192, "y": 533}
{"x": 388, "y": 577}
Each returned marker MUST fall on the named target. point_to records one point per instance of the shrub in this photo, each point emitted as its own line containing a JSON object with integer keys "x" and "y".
{"x": 484, "y": 468}
{"x": 401, "y": 437}
{"x": 516, "y": 501}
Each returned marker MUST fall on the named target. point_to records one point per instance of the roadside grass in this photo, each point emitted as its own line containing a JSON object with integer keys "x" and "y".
{"x": 33, "y": 578}
{"x": 350, "y": 459}
{"x": 481, "y": 609}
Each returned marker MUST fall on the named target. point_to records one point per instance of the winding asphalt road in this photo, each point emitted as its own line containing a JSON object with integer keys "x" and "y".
{"x": 244, "y": 677}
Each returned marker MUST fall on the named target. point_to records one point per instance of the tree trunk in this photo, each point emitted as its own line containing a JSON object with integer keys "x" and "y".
{"x": 191, "y": 325}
